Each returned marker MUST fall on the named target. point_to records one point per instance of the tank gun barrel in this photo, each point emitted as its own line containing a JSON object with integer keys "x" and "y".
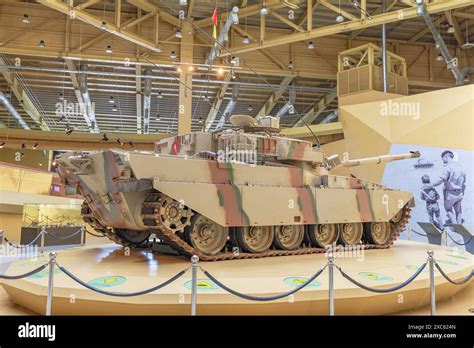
{"x": 379, "y": 159}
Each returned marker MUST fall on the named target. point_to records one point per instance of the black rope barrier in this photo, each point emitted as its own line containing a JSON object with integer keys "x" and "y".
{"x": 461, "y": 282}
{"x": 36, "y": 270}
{"x": 418, "y": 233}
{"x": 260, "y": 298}
{"x": 64, "y": 237}
{"x": 456, "y": 242}
{"x": 395, "y": 288}
{"x": 123, "y": 294}
{"x": 25, "y": 245}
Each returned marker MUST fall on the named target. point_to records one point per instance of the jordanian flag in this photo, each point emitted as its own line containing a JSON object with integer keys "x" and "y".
{"x": 214, "y": 22}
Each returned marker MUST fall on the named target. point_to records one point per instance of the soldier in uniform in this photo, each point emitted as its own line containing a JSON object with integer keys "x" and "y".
{"x": 454, "y": 180}
{"x": 431, "y": 197}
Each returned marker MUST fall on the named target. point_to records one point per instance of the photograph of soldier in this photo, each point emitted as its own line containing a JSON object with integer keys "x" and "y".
{"x": 453, "y": 179}
{"x": 431, "y": 197}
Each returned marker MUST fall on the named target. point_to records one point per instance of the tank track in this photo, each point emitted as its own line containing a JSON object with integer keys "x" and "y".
{"x": 177, "y": 243}
{"x": 89, "y": 218}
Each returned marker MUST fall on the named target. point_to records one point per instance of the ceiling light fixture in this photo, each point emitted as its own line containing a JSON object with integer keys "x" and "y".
{"x": 451, "y": 29}
{"x": 311, "y": 45}
{"x": 264, "y": 10}
{"x": 2, "y": 145}
{"x": 439, "y": 57}
{"x": 339, "y": 18}
{"x": 26, "y": 19}
{"x": 42, "y": 44}
{"x": 159, "y": 96}
{"x": 108, "y": 49}
{"x": 111, "y": 100}
{"x": 173, "y": 55}
{"x": 178, "y": 34}
{"x": 103, "y": 25}
{"x": 245, "y": 40}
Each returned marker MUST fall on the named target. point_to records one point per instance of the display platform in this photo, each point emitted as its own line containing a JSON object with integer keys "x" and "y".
{"x": 109, "y": 268}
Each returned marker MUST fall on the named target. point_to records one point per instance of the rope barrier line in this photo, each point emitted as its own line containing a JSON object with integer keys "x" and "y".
{"x": 395, "y": 288}
{"x": 420, "y": 234}
{"x": 64, "y": 237}
{"x": 456, "y": 242}
{"x": 20, "y": 276}
{"x": 259, "y": 298}
{"x": 123, "y": 294}
{"x": 461, "y": 282}
{"x": 23, "y": 246}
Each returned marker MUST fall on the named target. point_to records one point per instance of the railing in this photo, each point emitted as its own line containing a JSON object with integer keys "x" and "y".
{"x": 42, "y": 235}
{"x": 195, "y": 266}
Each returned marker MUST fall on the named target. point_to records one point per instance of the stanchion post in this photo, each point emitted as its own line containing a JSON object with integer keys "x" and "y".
{"x": 42, "y": 238}
{"x": 194, "y": 269}
{"x": 432, "y": 282}
{"x": 446, "y": 236}
{"x": 409, "y": 232}
{"x": 83, "y": 235}
{"x": 49, "y": 300}
{"x": 331, "y": 283}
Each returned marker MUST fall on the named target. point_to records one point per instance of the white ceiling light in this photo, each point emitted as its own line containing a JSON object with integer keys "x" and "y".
{"x": 26, "y": 19}
{"x": 245, "y": 40}
{"x": 178, "y": 33}
{"x": 339, "y": 18}
{"x": 311, "y": 45}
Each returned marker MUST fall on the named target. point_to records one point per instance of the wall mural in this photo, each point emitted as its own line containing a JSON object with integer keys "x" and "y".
{"x": 441, "y": 181}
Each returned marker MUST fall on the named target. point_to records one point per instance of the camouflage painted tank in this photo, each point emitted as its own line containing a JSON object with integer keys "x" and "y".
{"x": 238, "y": 193}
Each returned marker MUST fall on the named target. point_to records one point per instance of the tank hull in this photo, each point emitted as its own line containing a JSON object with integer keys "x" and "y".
{"x": 232, "y": 195}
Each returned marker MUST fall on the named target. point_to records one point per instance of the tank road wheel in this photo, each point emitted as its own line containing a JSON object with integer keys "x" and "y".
{"x": 378, "y": 232}
{"x": 136, "y": 238}
{"x": 323, "y": 234}
{"x": 174, "y": 215}
{"x": 397, "y": 217}
{"x": 351, "y": 233}
{"x": 288, "y": 237}
{"x": 254, "y": 239}
{"x": 206, "y": 235}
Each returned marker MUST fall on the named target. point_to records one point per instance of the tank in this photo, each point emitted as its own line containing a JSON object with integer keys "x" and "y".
{"x": 245, "y": 192}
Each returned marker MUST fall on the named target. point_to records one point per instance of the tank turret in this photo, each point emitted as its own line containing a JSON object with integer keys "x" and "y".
{"x": 235, "y": 193}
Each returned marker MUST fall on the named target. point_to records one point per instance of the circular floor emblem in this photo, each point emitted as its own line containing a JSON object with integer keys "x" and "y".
{"x": 375, "y": 276}
{"x": 107, "y": 282}
{"x": 44, "y": 273}
{"x": 298, "y": 281}
{"x": 202, "y": 285}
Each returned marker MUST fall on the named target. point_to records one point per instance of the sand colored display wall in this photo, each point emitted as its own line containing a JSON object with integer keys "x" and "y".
{"x": 442, "y": 118}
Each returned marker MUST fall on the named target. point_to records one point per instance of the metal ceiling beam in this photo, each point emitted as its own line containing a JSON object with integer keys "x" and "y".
{"x": 87, "y": 106}
{"x": 267, "y": 54}
{"x": 315, "y": 111}
{"x": 119, "y": 59}
{"x": 87, "y": 4}
{"x": 147, "y": 103}
{"x": 146, "y": 6}
{"x": 11, "y": 109}
{"x": 247, "y": 11}
{"x": 384, "y": 18}
{"x": 25, "y": 101}
{"x": 189, "y": 12}
{"x": 97, "y": 22}
{"x": 229, "y": 109}
{"x": 274, "y": 97}
{"x": 457, "y": 30}
{"x": 425, "y": 30}
{"x": 217, "y": 102}
{"x": 377, "y": 11}
{"x": 138, "y": 97}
